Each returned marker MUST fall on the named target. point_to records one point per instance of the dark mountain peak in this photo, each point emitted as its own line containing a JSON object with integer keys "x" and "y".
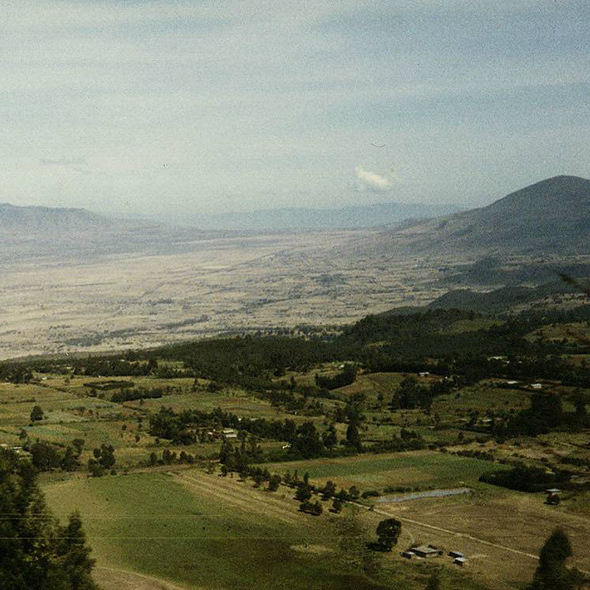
{"x": 551, "y": 216}
{"x": 552, "y": 191}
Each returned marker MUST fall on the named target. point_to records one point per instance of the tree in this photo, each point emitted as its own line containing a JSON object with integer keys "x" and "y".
{"x": 336, "y": 505}
{"x": 354, "y": 493}
{"x": 75, "y": 554}
{"x": 330, "y": 438}
{"x": 328, "y": 490}
{"x": 317, "y": 508}
{"x": 303, "y": 493}
{"x": 69, "y": 461}
{"x": 274, "y": 482}
{"x": 44, "y": 456}
{"x": 35, "y": 552}
{"x": 552, "y": 572}
{"x": 37, "y": 414}
{"x": 388, "y": 532}
{"x": 353, "y": 437}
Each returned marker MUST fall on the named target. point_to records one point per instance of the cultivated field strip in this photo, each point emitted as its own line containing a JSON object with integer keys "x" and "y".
{"x": 240, "y": 496}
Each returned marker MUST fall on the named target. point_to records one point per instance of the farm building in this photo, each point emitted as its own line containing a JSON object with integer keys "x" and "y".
{"x": 230, "y": 433}
{"x": 536, "y": 386}
{"x": 426, "y": 551}
{"x": 460, "y": 561}
{"x": 553, "y": 496}
{"x": 456, "y": 554}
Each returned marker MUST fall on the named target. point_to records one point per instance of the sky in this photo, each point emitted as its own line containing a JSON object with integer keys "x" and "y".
{"x": 170, "y": 108}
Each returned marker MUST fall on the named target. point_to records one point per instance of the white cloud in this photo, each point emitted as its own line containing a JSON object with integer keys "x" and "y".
{"x": 372, "y": 180}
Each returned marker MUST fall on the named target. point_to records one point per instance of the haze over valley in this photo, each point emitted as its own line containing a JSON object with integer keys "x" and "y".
{"x": 65, "y": 289}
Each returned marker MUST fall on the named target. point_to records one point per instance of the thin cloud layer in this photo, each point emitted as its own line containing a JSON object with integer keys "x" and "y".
{"x": 272, "y": 104}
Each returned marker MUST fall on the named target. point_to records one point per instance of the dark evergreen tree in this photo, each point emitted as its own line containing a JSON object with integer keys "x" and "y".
{"x": 37, "y": 414}
{"x": 552, "y": 572}
{"x": 388, "y": 532}
{"x": 35, "y": 552}
{"x": 353, "y": 437}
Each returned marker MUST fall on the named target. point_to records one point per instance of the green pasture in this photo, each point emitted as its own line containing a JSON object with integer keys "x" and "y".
{"x": 237, "y": 403}
{"x": 373, "y": 384}
{"x": 417, "y": 469}
{"x": 480, "y": 398}
{"x": 150, "y": 524}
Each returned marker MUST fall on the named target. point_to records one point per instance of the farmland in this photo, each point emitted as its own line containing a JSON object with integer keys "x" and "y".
{"x": 419, "y": 469}
{"x": 196, "y": 465}
{"x": 200, "y": 531}
{"x": 178, "y": 288}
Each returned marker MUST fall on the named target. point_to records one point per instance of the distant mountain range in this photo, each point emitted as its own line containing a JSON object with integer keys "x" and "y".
{"x": 551, "y": 216}
{"x": 23, "y": 221}
{"x": 318, "y": 219}
{"x": 47, "y": 220}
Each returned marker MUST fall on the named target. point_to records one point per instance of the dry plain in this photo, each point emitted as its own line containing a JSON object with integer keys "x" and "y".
{"x": 113, "y": 294}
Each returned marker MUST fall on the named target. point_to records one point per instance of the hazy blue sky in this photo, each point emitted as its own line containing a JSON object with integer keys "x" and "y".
{"x": 178, "y": 107}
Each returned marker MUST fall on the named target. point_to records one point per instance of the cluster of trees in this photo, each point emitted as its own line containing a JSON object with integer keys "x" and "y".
{"x": 544, "y": 414}
{"x": 129, "y": 395}
{"x": 341, "y": 379}
{"x": 407, "y": 343}
{"x": 35, "y": 550}
{"x": 102, "y": 460}
{"x": 114, "y": 367}
{"x": 238, "y": 458}
{"x": 15, "y": 373}
{"x": 305, "y": 441}
{"x": 411, "y": 394}
{"x": 526, "y": 478}
{"x": 47, "y": 457}
{"x": 408, "y": 440}
{"x": 388, "y": 532}
{"x": 247, "y": 361}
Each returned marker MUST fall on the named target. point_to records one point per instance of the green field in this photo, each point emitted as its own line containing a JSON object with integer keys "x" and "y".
{"x": 151, "y": 524}
{"x": 418, "y": 469}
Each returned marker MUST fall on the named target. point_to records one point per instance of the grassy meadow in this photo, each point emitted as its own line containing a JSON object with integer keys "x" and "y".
{"x": 416, "y": 469}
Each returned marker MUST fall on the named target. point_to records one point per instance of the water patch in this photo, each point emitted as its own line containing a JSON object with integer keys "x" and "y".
{"x": 420, "y": 495}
